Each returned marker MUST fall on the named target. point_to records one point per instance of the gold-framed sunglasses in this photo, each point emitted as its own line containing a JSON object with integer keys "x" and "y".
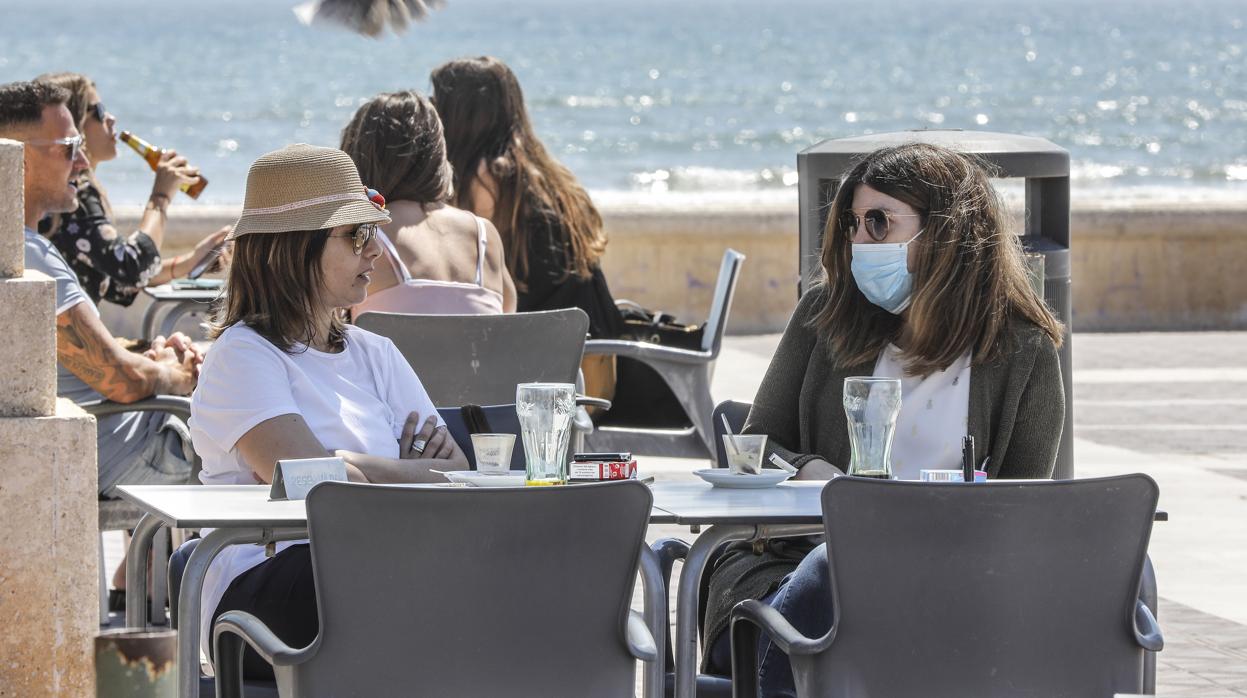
{"x": 360, "y": 237}
{"x": 877, "y": 222}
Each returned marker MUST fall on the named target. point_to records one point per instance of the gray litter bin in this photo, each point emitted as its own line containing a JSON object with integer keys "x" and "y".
{"x": 1044, "y": 166}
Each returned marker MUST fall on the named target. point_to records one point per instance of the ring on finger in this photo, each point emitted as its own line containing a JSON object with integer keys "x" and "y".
{"x": 419, "y": 445}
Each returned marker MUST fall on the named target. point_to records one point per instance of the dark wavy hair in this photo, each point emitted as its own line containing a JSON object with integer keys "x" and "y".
{"x": 482, "y": 110}
{"x": 272, "y": 286}
{"x": 22, "y": 103}
{"x": 396, "y": 142}
{"x": 970, "y": 281}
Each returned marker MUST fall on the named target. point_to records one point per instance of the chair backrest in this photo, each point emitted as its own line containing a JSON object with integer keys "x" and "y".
{"x": 478, "y": 359}
{"x": 736, "y": 412}
{"x": 502, "y": 420}
{"x": 474, "y": 592}
{"x": 1005, "y": 589}
{"x": 721, "y": 306}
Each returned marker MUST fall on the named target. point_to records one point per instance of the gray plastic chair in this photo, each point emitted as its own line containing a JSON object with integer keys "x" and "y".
{"x": 479, "y": 359}
{"x": 944, "y": 589}
{"x": 120, "y": 515}
{"x": 688, "y": 373}
{"x": 463, "y": 592}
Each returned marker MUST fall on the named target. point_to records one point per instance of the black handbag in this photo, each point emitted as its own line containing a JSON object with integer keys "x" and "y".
{"x": 642, "y": 398}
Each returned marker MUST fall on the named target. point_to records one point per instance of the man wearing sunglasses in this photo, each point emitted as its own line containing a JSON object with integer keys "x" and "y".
{"x": 134, "y": 447}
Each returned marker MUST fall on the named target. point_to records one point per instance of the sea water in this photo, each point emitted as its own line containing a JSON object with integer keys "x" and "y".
{"x": 685, "y": 96}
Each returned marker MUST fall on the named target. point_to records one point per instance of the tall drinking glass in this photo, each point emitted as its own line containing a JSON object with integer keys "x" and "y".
{"x": 871, "y": 405}
{"x": 545, "y": 411}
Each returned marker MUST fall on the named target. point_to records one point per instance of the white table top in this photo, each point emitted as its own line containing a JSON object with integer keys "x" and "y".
{"x": 226, "y": 506}
{"x": 167, "y": 292}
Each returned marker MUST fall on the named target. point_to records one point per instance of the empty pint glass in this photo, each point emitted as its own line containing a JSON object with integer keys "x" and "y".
{"x": 545, "y": 411}
{"x": 871, "y": 405}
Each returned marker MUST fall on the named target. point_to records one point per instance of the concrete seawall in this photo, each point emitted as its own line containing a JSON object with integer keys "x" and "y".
{"x": 1138, "y": 264}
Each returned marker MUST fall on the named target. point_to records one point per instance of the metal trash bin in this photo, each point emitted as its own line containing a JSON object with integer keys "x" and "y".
{"x": 1043, "y": 165}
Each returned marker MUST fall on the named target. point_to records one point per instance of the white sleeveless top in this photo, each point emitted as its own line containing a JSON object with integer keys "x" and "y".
{"x": 431, "y": 296}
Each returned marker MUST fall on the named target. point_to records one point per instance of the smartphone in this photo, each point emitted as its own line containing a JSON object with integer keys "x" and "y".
{"x": 199, "y": 269}
{"x": 602, "y": 457}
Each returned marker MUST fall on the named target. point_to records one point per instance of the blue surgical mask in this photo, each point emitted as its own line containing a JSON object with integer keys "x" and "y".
{"x": 882, "y": 273}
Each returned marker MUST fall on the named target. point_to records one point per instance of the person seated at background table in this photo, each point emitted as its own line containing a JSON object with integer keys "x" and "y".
{"x": 134, "y": 448}
{"x": 437, "y": 259}
{"x": 923, "y": 282}
{"x": 550, "y": 228}
{"x": 110, "y": 266}
{"x": 288, "y": 378}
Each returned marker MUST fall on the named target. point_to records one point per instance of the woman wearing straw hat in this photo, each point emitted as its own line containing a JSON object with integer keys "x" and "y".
{"x": 304, "y": 250}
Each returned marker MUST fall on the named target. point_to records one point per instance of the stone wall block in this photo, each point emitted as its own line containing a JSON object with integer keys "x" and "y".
{"x": 48, "y": 555}
{"x": 28, "y": 352}
{"x": 11, "y": 209}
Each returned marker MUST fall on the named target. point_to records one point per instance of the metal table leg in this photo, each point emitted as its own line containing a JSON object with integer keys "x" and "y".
{"x": 174, "y": 314}
{"x": 656, "y": 618}
{"x": 690, "y": 581}
{"x": 190, "y": 596}
{"x": 136, "y": 570}
{"x": 686, "y": 602}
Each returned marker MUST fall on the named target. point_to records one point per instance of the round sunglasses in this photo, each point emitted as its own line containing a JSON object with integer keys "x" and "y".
{"x": 877, "y": 221}
{"x": 360, "y": 237}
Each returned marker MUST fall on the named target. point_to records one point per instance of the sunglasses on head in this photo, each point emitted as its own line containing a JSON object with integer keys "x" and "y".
{"x": 877, "y": 222}
{"x": 361, "y": 236}
{"x": 99, "y": 111}
{"x": 73, "y": 144}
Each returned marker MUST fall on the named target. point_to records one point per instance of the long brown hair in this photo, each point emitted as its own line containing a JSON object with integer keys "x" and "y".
{"x": 482, "y": 110}
{"x": 970, "y": 281}
{"x": 396, "y": 142}
{"x": 79, "y": 87}
{"x": 273, "y": 282}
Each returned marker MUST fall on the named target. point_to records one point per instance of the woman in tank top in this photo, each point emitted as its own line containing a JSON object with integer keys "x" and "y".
{"x": 437, "y": 259}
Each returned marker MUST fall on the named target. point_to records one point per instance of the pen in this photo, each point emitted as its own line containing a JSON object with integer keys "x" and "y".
{"x": 967, "y": 458}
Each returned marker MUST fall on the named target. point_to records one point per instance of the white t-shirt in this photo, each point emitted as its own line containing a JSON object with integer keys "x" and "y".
{"x": 935, "y": 415}
{"x": 356, "y": 400}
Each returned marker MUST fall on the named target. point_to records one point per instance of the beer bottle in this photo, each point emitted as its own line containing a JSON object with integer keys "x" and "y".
{"x": 152, "y": 154}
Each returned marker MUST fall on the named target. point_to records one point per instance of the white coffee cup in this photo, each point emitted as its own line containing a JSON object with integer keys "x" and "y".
{"x": 493, "y": 452}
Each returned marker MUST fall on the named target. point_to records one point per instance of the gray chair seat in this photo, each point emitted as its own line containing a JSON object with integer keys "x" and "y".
{"x": 463, "y": 592}
{"x": 946, "y": 589}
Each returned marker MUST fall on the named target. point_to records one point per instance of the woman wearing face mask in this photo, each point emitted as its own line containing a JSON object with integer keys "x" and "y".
{"x": 923, "y": 282}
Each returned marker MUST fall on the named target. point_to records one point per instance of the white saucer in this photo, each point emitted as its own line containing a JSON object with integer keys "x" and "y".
{"x": 479, "y": 479}
{"x": 722, "y": 477}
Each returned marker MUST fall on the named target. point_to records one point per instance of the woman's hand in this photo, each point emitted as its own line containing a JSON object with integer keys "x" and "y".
{"x": 204, "y": 247}
{"x": 430, "y": 441}
{"x": 817, "y": 469}
{"x": 172, "y": 172}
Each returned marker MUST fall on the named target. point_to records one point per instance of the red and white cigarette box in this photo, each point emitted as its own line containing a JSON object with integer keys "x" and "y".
{"x": 599, "y": 471}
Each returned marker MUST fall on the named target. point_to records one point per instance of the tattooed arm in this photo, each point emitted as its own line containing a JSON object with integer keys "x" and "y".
{"x": 88, "y": 349}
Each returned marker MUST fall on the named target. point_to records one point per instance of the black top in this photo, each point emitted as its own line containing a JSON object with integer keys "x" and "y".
{"x": 550, "y": 286}
{"x": 113, "y": 270}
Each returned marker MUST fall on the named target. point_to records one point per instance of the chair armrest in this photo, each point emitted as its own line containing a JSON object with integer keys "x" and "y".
{"x": 645, "y": 352}
{"x": 586, "y": 401}
{"x": 1146, "y": 629}
{"x": 786, "y": 637}
{"x": 257, "y": 634}
{"x": 175, "y": 405}
{"x": 640, "y": 642}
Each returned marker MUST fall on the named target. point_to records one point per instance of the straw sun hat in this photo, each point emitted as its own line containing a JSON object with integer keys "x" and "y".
{"x": 304, "y": 187}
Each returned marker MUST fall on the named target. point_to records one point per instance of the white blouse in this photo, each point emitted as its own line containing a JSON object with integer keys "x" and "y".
{"x": 935, "y": 415}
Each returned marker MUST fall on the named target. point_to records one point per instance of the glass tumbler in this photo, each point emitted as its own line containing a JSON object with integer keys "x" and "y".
{"x": 545, "y": 411}
{"x": 871, "y": 406}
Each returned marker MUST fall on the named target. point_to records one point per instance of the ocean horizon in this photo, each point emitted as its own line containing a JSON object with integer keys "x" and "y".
{"x": 682, "y": 99}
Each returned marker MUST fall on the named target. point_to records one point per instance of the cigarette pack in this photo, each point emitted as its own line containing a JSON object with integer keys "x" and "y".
{"x": 599, "y": 471}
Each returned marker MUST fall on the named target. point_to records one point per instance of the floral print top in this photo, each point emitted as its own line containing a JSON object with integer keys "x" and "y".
{"x": 113, "y": 270}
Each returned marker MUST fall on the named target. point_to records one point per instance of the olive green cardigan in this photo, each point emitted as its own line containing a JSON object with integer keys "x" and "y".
{"x": 1017, "y": 402}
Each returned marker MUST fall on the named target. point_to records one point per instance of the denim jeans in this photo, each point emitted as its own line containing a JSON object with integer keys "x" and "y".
{"x": 804, "y": 598}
